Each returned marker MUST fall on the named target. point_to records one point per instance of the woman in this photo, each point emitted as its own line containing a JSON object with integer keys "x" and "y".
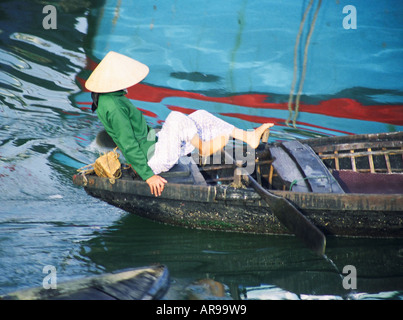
{"x": 180, "y": 134}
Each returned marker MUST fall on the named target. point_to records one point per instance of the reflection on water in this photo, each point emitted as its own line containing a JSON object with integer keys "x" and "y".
{"x": 249, "y": 265}
{"x": 44, "y": 220}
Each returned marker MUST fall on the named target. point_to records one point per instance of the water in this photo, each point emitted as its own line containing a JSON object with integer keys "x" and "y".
{"x": 47, "y": 132}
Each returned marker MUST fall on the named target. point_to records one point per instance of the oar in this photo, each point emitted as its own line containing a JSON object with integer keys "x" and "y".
{"x": 288, "y": 214}
{"x": 292, "y": 218}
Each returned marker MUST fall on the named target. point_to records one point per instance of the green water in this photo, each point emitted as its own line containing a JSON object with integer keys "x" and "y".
{"x": 45, "y": 220}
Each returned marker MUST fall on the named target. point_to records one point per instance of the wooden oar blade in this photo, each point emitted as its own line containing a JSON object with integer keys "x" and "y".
{"x": 292, "y": 219}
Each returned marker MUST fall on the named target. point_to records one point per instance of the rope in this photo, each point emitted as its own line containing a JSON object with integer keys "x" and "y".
{"x": 329, "y": 179}
{"x": 307, "y": 42}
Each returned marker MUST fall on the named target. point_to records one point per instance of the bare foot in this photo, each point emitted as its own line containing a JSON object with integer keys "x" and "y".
{"x": 253, "y": 138}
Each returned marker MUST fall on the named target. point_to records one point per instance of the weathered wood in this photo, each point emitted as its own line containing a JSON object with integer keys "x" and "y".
{"x": 315, "y": 172}
{"x": 358, "y": 146}
{"x": 292, "y": 219}
{"x": 371, "y": 161}
{"x": 363, "y": 141}
{"x": 222, "y": 207}
{"x": 242, "y": 210}
{"x": 288, "y": 171}
{"x": 145, "y": 283}
{"x": 217, "y": 167}
{"x": 387, "y": 161}
{"x": 185, "y": 172}
{"x": 353, "y": 152}
{"x": 197, "y": 176}
{"x": 286, "y": 213}
{"x": 352, "y": 157}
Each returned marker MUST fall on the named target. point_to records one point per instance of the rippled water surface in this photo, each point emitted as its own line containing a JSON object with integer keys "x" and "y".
{"x": 45, "y": 135}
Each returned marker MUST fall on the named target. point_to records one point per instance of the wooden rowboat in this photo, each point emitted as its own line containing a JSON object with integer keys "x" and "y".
{"x": 144, "y": 283}
{"x": 346, "y": 186}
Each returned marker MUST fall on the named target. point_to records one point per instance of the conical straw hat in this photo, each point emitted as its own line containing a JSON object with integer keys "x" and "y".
{"x": 116, "y": 72}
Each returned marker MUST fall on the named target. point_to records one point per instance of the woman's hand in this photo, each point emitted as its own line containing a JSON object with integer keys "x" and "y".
{"x": 156, "y": 184}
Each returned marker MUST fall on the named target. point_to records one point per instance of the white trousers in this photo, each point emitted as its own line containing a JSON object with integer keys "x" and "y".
{"x": 177, "y": 132}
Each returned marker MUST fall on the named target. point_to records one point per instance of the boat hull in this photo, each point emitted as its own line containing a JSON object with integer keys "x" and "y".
{"x": 143, "y": 283}
{"x": 242, "y": 210}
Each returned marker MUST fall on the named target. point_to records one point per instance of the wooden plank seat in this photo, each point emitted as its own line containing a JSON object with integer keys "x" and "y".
{"x": 185, "y": 171}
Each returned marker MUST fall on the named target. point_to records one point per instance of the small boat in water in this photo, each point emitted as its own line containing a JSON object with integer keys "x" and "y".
{"x": 345, "y": 186}
{"x": 144, "y": 283}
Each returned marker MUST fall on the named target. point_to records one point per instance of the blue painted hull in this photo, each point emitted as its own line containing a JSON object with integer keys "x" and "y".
{"x": 221, "y": 49}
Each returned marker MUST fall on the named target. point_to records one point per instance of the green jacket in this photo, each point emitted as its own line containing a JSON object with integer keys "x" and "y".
{"x": 129, "y": 130}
